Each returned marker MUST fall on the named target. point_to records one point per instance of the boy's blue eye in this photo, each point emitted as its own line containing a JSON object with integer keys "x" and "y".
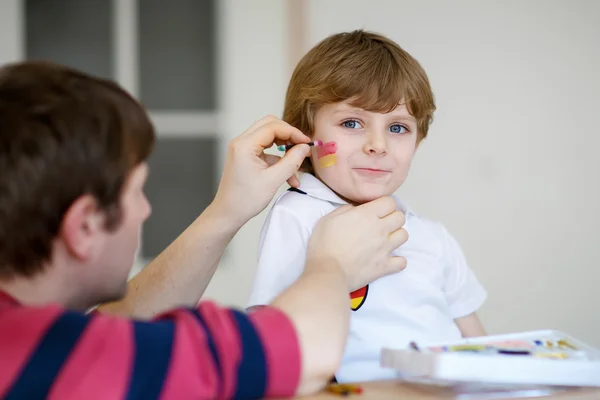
{"x": 397, "y": 128}
{"x": 351, "y": 124}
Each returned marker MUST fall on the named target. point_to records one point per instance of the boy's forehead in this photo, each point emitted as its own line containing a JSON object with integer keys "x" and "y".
{"x": 346, "y": 106}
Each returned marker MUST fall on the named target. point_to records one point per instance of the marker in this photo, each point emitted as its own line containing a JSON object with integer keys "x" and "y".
{"x": 560, "y": 356}
{"x": 344, "y": 389}
{"x": 514, "y": 352}
{"x": 414, "y": 346}
{"x": 565, "y": 343}
{"x": 284, "y": 147}
{"x": 466, "y": 347}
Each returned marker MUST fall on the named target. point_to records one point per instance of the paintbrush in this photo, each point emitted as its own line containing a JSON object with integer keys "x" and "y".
{"x": 285, "y": 147}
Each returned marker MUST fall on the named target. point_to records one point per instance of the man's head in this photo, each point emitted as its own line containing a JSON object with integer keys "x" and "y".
{"x": 362, "y": 91}
{"x": 72, "y": 168}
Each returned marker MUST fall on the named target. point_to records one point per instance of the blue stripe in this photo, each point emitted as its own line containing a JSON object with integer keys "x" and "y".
{"x": 213, "y": 351}
{"x": 153, "y": 348}
{"x": 47, "y": 360}
{"x": 252, "y": 372}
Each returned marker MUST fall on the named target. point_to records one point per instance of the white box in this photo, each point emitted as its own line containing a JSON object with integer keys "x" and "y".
{"x": 580, "y": 368}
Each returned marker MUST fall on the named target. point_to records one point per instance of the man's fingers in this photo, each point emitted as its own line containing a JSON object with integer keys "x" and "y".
{"x": 341, "y": 210}
{"x": 397, "y": 239}
{"x": 260, "y": 123}
{"x": 288, "y": 165}
{"x": 396, "y": 264}
{"x": 271, "y": 159}
{"x": 268, "y": 133}
{"x": 294, "y": 181}
{"x": 381, "y": 207}
{"x": 394, "y": 221}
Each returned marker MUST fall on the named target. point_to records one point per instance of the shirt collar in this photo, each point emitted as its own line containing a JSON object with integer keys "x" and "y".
{"x": 314, "y": 187}
{"x": 7, "y": 300}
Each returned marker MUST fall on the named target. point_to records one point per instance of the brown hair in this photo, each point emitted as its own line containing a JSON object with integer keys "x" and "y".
{"x": 365, "y": 68}
{"x": 63, "y": 134}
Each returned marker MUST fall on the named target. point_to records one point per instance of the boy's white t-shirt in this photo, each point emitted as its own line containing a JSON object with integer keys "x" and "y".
{"x": 419, "y": 303}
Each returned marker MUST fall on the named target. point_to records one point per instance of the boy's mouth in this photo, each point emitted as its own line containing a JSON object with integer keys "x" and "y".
{"x": 373, "y": 169}
{"x": 372, "y": 172}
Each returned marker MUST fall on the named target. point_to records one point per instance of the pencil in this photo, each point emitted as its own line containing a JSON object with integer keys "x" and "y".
{"x": 283, "y": 147}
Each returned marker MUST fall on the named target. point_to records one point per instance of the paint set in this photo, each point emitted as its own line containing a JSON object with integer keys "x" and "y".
{"x": 326, "y": 152}
{"x": 549, "y": 357}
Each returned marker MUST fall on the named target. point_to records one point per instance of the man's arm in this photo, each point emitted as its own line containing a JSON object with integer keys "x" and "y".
{"x": 203, "y": 353}
{"x": 180, "y": 274}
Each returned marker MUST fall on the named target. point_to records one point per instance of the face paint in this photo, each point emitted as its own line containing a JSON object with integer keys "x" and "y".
{"x": 326, "y": 154}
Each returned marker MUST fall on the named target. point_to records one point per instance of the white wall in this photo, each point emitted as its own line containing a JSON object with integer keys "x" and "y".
{"x": 511, "y": 165}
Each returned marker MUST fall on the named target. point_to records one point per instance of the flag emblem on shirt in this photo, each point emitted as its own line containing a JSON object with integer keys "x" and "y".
{"x": 358, "y": 297}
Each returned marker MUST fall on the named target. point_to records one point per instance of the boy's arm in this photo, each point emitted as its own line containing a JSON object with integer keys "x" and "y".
{"x": 470, "y": 326}
{"x": 464, "y": 294}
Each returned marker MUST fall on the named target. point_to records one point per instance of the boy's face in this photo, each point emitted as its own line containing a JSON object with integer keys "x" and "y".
{"x": 374, "y": 150}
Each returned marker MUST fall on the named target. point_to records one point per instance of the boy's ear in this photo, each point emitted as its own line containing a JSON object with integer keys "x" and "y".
{"x": 81, "y": 227}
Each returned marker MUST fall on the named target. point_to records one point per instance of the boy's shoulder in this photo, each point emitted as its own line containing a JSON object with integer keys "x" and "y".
{"x": 302, "y": 205}
{"x": 425, "y": 228}
{"x": 431, "y": 233}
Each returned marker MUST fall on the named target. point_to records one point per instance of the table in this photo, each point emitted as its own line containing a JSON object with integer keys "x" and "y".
{"x": 387, "y": 390}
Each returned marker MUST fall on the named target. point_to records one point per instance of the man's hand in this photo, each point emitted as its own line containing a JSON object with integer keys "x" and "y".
{"x": 359, "y": 240}
{"x": 251, "y": 178}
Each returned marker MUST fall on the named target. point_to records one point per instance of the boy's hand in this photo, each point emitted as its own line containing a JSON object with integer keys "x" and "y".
{"x": 359, "y": 240}
{"x": 251, "y": 178}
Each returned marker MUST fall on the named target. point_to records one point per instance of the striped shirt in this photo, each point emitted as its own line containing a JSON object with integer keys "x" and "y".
{"x": 204, "y": 353}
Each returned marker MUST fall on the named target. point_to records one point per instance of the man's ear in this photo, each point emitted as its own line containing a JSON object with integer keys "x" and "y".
{"x": 82, "y": 227}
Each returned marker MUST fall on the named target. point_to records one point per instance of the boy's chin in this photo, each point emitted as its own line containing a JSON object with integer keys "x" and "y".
{"x": 366, "y": 196}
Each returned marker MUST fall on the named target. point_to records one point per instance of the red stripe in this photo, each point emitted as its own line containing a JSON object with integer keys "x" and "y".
{"x": 327, "y": 149}
{"x": 24, "y": 328}
{"x": 227, "y": 340}
{"x": 100, "y": 365}
{"x": 282, "y": 351}
{"x": 192, "y": 373}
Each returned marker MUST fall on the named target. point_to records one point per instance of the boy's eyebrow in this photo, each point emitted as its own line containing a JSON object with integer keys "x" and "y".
{"x": 355, "y": 110}
{"x": 409, "y": 118}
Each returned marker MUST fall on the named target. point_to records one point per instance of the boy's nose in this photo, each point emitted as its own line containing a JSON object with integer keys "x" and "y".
{"x": 376, "y": 144}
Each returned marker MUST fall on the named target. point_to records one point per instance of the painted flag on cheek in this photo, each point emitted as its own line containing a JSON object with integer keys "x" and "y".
{"x": 326, "y": 154}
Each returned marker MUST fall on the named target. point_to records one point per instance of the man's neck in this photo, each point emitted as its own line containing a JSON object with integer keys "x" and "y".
{"x": 38, "y": 290}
